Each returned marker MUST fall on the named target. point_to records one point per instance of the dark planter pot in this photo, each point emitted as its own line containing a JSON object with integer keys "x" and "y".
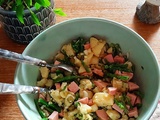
{"x": 24, "y": 33}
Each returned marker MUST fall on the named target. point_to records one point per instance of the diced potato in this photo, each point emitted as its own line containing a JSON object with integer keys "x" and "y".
{"x": 129, "y": 64}
{"x": 68, "y": 49}
{"x": 113, "y": 114}
{"x": 94, "y": 108}
{"x": 117, "y": 84}
{"x": 93, "y": 42}
{"x": 110, "y": 50}
{"x": 84, "y": 108}
{"x": 103, "y": 99}
{"x": 96, "y": 90}
{"x": 88, "y": 58}
{"x": 77, "y": 62}
{"x": 59, "y": 56}
{"x": 120, "y": 85}
{"x": 49, "y": 83}
{"x": 94, "y": 60}
{"x": 44, "y": 72}
{"x": 85, "y": 93}
{"x": 124, "y": 117}
{"x": 42, "y": 82}
{"x": 98, "y": 48}
{"x": 81, "y": 69}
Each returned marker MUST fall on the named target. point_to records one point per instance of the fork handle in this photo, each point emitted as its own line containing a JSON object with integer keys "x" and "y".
{"x": 21, "y": 58}
{"x": 6, "y": 88}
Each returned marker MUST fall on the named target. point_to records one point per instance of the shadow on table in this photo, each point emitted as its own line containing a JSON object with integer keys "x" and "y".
{"x": 145, "y": 30}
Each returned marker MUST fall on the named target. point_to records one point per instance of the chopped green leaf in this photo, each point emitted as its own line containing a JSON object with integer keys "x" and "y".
{"x": 115, "y": 66}
{"x": 78, "y": 45}
{"x": 64, "y": 87}
{"x": 76, "y": 104}
{"x": 67, "y": 59}
{"x": 117, "y": 76}
{"x": 77, "y": 96}
{"x": 116, "y": 49}
{"x": 59, "y": 12}
{"x": 121, "y": 103}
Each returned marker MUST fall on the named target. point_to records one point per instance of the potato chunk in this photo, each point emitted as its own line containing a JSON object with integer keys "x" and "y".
{"x": 68, "y": 49}
{"x": 88, "y": 58}
{"x": 113, "y": 114}
{"x": 42, "y": 82}
{"x": 44, "y": 72}
{"x": 97, "y": 46}
{"x": 103, "y": 99}
{"x": 93, "y": 42}
{"x": 94, "y": 60}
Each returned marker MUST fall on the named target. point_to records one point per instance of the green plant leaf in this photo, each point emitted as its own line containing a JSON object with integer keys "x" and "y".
{"x": 18, "y": 2}
{"x": 59, "y": 12}
{"x": 29, "y": 3}
{"x": 1, "y": 2}
{"x": 35, "y": 19}
{"x": 44, "y": 3}
{"x": 37, "y": 6}
{"x": 20, "y": 13}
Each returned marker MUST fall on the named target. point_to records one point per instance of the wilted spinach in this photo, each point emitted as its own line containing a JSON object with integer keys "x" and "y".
{"x": 78, "y": 45}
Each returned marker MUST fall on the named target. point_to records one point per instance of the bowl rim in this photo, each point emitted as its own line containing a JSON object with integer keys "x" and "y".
{"x": 102, "y": 20}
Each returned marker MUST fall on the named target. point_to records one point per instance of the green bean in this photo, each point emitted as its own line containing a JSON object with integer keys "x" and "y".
{"x": 42, "y": 114}
{"x": 42, "y": 101}
{"x": 67, "y": 79}
{"x": 85, "y": 66}
{"x": 54, "y": 106}
{"x": 117, "y": 76}
{"x": 49, "y": 105}
{"x": 48, "y": 109}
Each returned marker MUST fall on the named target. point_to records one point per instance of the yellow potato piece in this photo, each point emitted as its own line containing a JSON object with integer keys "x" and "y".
{"x": 103, "y": 99}
{"x": 93, "y": 42}
{"x": 113, "y": 114}
{"x": 68, "y": 49}
{"x": 42, "y": 82}
{"x": 94, "y": 60}
{"x": 88, "y": 58}
{"x": 44, "y": 72}
{"x": 49, "y": 83}
{"x": 77, "y": 62}
{"x": 81, "y": 69}
{"x": 98, "y": 48}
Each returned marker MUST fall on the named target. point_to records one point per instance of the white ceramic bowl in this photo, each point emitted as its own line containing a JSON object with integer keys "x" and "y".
{"x": 45, "y": 45}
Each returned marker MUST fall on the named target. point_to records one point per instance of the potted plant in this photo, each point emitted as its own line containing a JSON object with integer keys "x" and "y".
{"x": 23, "y": 20}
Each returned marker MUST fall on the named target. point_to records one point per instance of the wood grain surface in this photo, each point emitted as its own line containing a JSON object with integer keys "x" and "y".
{"x": 122, "y": 11}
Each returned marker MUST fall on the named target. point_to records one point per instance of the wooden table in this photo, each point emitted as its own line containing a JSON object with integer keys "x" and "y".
{"x": 122, "y": 11}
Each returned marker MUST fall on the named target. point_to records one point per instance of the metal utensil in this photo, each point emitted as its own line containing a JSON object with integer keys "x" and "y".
{"x": 6, "y": 88}
{"x": 30, "y": 60}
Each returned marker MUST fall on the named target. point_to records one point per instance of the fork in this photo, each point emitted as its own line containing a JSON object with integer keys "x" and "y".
{"x": 31, "y": 60}
{"x": 6, "y": 88}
